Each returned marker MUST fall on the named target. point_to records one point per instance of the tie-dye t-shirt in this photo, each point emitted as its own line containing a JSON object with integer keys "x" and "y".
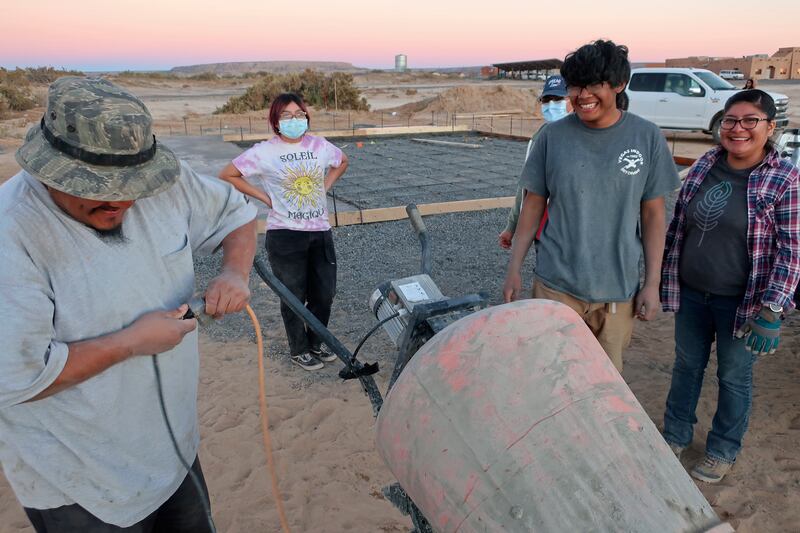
{"x": 293, "y": 176}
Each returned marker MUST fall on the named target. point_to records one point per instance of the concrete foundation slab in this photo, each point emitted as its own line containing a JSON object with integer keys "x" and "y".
{"x": 432, "y": 173}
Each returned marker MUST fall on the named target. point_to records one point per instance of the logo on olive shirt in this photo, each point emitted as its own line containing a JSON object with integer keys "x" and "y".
{"x": 631, "y": 161}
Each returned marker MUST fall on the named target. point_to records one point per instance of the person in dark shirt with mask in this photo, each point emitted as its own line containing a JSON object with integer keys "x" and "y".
{"x": 555, "y": 106}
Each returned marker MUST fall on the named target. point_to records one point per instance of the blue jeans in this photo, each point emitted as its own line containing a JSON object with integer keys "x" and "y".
{"x": 701, "y": 319}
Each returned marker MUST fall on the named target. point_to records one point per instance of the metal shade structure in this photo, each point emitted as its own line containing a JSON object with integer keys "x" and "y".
{"x": 517, "y": 68}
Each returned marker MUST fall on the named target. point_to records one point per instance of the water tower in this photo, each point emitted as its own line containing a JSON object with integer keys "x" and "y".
{"x": 400, "y": 63}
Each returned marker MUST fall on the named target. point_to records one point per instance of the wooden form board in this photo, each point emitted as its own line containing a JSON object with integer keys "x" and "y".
{"x": 685, "y": 161}
{"x": 499, "y": 135}
{"x": 356, "y": 132}
{"x": 446, "y": 143}
{"x": 385, "y": 214}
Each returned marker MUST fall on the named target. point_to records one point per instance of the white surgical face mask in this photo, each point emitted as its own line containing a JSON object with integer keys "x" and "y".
{"x": 293, "y": 128}
{"x": 555, "y": 110}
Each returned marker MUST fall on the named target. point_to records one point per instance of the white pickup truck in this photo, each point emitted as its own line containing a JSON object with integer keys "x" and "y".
{"x": 687, "y": 99}
{"x": 731, "y": 74}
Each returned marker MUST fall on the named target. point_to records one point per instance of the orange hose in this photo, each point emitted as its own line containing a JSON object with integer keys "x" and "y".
{"x": 262, "y": 400}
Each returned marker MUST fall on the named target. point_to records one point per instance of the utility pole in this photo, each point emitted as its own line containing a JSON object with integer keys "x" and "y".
{"x": 335, "y": 96}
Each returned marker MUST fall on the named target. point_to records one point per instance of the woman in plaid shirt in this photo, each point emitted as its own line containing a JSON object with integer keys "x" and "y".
{"x": 731, "y": 267}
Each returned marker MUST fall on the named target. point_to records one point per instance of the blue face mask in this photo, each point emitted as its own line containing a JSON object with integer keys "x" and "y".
{"x": 552, "y": 111}
{"x": 293, "y": 128}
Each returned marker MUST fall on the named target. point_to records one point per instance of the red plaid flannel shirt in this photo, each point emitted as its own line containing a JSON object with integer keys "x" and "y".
{"x": 773, "y": 235}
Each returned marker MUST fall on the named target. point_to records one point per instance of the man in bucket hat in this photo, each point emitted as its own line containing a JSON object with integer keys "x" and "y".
{"x": 98, "y": 233}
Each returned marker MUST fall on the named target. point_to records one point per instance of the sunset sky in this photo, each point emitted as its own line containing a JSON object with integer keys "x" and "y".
{"x": 148, "y": 35}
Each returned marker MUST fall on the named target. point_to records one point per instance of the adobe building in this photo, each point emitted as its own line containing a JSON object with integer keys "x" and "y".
{"x": 489, "y": 72}
{"x": 782, "y": 65}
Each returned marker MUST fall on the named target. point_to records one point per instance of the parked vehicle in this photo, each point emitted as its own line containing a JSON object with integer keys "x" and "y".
{"x": 788, "y": 144}
{"x": 688, "y": 99}
{"x": 731, "y": 74}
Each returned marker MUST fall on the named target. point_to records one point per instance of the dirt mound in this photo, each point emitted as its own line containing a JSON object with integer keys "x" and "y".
{"x": 477, "y": 99}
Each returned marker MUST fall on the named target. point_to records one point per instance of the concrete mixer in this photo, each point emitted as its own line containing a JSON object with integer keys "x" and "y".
{"x": 514, "y": 419}
{"x": 511, "y": 418}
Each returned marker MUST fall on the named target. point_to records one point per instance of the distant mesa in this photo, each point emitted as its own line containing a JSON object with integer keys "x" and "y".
{"x": 276, "y": 67}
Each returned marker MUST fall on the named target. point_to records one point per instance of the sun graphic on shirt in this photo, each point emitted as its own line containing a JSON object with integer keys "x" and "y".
{"x": 301, "y": 185}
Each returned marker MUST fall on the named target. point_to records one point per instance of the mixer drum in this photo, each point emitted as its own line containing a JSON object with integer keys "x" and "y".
{"x": 514, "y": 419}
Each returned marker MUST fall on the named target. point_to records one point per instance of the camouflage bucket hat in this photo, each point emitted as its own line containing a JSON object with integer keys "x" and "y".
{"x": 95, "y": 141}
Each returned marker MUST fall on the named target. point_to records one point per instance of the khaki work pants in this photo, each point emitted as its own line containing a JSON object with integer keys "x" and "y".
{"x": 611, "y": 324}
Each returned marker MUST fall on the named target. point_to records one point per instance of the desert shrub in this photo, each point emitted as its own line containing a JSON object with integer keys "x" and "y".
{"x": 257, "y": 74}
{"x": 317, "y": 89}
{"x": 411, "y": 92}
{"x": 16, "y": 86}
{"x": 15, "y": 91}
{"x": 47, "y": 75}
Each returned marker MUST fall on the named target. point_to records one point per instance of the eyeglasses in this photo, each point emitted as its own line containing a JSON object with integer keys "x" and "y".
{"x": 748, "y": 123}
{"x": 288, "y": 116}
{"x": 550, "y": 98}
{"x": 592, "y": 88}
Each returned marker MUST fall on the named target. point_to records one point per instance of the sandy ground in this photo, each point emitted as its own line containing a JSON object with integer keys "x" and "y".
{"x": 383, "y": 94}
{"x": 762, "y": 492}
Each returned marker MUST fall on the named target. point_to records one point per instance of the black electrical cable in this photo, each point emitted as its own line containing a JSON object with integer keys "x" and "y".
{"x": 184, "y": 462}
{"x": 373, "y": 330}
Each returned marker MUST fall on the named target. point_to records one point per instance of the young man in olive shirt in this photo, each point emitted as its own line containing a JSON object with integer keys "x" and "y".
{"x": 602, "y": 170}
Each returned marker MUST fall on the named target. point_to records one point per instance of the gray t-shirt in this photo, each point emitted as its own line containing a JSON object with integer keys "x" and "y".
{"x": 102, "y": 443}
{"x": 513, "y": 213}
{"x": 595, "y": 180}
{"x": 715, "y": 255}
